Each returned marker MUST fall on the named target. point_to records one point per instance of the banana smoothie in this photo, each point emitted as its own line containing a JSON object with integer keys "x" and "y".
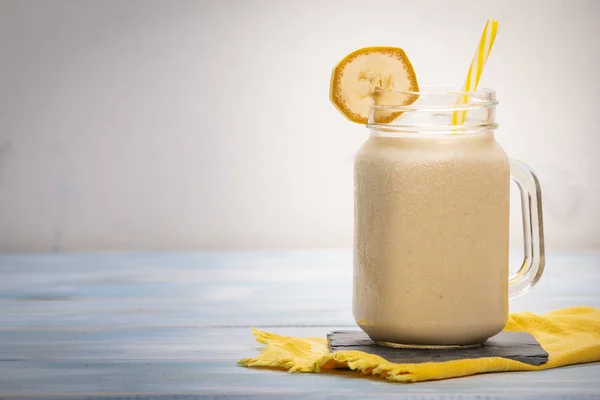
{"x": 431, "y": 203}
{"x": 431, "y": 239}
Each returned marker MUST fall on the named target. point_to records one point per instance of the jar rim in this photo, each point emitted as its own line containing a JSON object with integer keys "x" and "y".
{"x": 432, "y": 110}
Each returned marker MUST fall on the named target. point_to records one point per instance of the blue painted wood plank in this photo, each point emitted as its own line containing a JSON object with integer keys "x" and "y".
{"x": 167, "y": 324}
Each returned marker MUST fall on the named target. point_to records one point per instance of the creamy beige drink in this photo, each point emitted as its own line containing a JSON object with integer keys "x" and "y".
{"x": 431, "y": 238}
{"x": 432, "y": 203}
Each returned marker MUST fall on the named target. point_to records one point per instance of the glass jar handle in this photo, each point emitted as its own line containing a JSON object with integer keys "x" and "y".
{"x": 533, "y": 230}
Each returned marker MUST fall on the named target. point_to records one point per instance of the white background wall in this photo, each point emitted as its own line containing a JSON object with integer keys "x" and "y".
{"x": 206, "y": 124}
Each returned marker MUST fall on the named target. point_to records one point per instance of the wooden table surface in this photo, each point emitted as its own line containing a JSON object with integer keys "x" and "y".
{"x": 172, "y": 325}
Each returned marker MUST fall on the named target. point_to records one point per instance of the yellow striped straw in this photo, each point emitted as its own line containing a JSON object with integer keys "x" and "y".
{"x": 479, "y": 59}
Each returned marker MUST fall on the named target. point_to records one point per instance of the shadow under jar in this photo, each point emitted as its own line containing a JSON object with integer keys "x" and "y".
{"x": 431, "y": 239}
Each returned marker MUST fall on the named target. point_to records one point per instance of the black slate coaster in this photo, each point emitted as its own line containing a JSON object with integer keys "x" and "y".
{"x": 518, "y": 346}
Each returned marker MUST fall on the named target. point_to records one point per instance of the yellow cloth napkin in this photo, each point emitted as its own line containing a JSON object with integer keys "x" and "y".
{"x": 570, "y": 336}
